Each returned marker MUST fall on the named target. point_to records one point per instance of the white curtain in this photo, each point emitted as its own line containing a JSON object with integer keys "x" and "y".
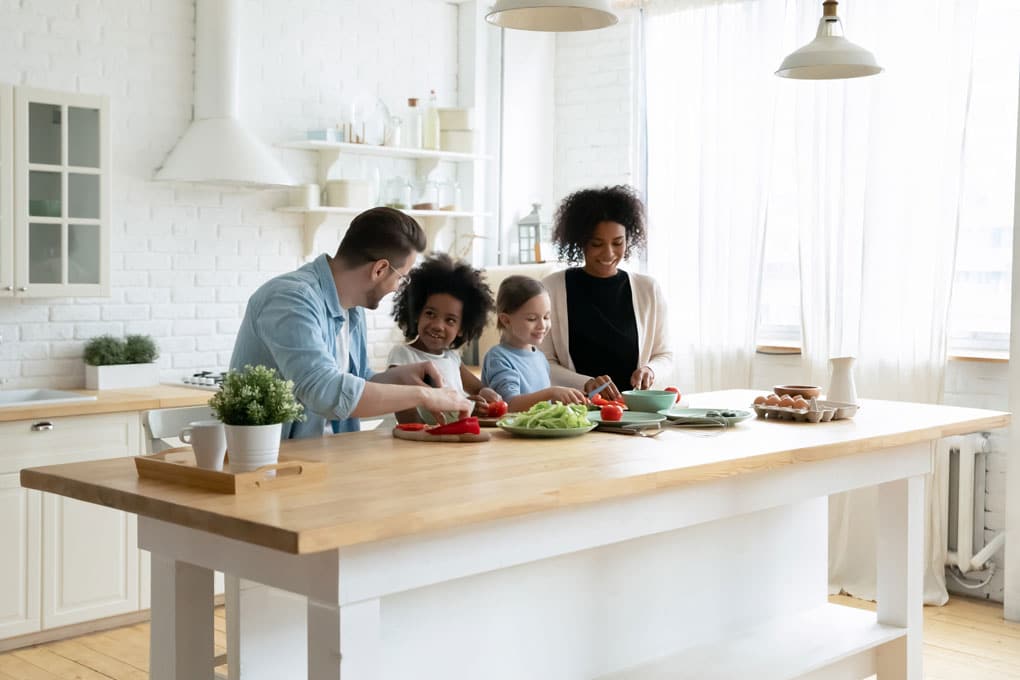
{"x": 870, "y": 171}
{"x": 710, "y": 103}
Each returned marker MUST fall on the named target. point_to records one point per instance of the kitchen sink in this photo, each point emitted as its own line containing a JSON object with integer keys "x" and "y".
{"x": 40, "y": 396}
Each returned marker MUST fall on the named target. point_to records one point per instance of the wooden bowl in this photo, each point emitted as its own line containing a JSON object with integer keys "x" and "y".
{"x": 806, "y": 391}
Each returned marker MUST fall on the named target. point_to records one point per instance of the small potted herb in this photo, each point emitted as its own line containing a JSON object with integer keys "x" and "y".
{"x": 253, "y": 405}
{"x": 112, "y": 363}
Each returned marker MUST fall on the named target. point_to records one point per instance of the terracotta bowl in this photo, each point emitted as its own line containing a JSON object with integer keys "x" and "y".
{"x": 806, "y": 391}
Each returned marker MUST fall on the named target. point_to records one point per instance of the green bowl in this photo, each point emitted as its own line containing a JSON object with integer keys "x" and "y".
{"x": 648, "y": 401}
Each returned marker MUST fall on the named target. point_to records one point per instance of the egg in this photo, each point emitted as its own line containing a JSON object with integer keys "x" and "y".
{"x": 786, "y": 400}
{"x": 772, "y": 400}
{"x": 758, "y": 401}
{"x": 800, "y": 402}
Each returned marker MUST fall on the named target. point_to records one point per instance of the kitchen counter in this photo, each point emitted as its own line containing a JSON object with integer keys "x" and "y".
{"x": 112, "y": 401}
{"x": 598, "y": 555}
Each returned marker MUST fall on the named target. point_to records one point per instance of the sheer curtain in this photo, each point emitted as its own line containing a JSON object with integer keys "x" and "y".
{"x": 877, "y": 165}
{"x": 868, "y": 169}
{"x": 710, "y": 103}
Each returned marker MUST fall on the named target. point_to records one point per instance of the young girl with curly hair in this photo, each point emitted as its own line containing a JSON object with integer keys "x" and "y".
{"x": 443, "y": 304}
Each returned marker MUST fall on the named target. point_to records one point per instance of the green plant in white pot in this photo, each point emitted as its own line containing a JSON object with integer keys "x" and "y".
{"x": 253, "y": 405}
{"x": 113, "y": 363}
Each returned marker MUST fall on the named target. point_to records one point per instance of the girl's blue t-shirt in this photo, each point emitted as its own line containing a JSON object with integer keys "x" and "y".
{"x": 512, "y": 371}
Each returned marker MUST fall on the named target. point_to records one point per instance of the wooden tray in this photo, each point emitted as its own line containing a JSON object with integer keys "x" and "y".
{"x": 178, "y": 466}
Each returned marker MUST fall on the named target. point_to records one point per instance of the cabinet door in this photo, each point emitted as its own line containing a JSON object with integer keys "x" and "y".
{"x": 6, "y": 191}
{"x": 90, "y": 561}
{"x": 61, "y": 194}
{"x": 19, "y": 558}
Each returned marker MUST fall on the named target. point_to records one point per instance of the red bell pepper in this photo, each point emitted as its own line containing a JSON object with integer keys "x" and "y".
{"x": 467, "y": 425}
{"x": 412, "y": 427}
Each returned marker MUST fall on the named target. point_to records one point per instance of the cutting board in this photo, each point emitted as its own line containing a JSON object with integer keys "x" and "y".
{"x": 422, "y": 436}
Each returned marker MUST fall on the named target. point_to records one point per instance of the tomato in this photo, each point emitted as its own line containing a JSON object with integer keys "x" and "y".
{"x": 412, "y": 427}
{"x": 611, "y": 412}
{"x": 673, "y": 389}
{"x": 599, "y": 400}
{"x": 467, "y": 425}
{"x": 496, "y": 409}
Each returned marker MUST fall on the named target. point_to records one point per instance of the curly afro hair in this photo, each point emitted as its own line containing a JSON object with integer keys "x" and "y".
{"x": 583, "y": 210}
{"x": 440, "y": 273}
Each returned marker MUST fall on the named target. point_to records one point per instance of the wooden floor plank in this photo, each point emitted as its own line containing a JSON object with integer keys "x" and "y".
{"x": 111, "y": 666}
{"x": 23, "y": 670}
{"x": 58, "y": 665}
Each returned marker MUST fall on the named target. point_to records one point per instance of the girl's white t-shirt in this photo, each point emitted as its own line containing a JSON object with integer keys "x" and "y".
{"x": 448, "y": 363}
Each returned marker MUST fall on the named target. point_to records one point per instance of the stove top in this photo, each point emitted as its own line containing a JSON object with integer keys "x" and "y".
{"x": 205, "y": 380}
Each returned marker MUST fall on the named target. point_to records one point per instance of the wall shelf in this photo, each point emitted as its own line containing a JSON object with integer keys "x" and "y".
{"x": 427, "y": 160}
{"x": 432, "y": 220}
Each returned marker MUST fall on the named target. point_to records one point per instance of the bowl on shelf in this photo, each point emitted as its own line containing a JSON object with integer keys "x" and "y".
{"x": 648, "y": 401}
{"x": 806, "y": 391}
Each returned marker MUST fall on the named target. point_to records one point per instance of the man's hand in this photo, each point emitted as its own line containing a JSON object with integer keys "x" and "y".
{"x": 423, "y": 373}
{"x": 446, "y": 399}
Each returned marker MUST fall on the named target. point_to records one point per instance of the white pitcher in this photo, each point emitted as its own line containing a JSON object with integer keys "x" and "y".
{"x": 841, "y": 380}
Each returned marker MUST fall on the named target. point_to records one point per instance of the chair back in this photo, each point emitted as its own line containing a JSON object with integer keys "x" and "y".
{"x": 166, "y": 423}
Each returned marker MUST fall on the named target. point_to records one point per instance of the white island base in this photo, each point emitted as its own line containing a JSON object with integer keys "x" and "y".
{"x": 717, "y": 579}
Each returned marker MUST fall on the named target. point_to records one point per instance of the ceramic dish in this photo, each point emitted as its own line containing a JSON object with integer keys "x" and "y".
{"x": 629, "y": 418}
{"x": 708, "y": 416}
{"x": 506, "y": 424}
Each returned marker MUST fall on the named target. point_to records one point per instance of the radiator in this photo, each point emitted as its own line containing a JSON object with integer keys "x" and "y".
{"x": 964, "y": 478}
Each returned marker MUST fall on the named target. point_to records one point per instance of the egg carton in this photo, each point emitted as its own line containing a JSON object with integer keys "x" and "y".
{"x": 820, "y": 412}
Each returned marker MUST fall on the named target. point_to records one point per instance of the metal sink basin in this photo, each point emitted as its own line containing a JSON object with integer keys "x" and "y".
{"x": 40, "y": 396}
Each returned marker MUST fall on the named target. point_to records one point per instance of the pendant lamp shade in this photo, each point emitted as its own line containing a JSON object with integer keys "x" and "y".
{"x": 830, "y": 55}
{"x": 552, "y": 15}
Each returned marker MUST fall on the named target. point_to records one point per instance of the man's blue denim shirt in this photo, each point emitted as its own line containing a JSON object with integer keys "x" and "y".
{"x": 291, "y": 324}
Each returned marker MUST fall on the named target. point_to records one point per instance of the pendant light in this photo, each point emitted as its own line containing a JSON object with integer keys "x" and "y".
{"x": 552, "y": 15}
{"x": 829, "y": 56}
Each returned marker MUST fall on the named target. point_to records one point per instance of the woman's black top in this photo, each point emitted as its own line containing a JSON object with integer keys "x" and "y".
{"x": 603, "y": 331}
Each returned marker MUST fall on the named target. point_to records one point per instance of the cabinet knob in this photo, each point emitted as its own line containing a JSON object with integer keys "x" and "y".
{"x": 22, "y": 289}
{"x": 8, "y": 287}
{"x": 42, "y": 426}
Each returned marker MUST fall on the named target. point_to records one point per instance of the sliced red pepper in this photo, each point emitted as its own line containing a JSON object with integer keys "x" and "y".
{"x": 412, "y": 427}
{"x": 467, "y": 425}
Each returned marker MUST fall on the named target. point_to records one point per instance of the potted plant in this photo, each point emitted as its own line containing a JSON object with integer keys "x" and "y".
{"x": 112, "y": 363}
{"x": 253, "y": 405}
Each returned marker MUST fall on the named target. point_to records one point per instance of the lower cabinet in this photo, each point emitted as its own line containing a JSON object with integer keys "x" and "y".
{"x": 64, "y": 561}
{"x": 19, "y": 559}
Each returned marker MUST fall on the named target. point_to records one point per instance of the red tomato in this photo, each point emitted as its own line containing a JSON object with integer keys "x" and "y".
{"x": 412, "y": 427}
{"x": 496, "y": 409}
{"x": 599, "y": 400}
{"x": 673, "y": 389}
{"x": 611, "y": 412}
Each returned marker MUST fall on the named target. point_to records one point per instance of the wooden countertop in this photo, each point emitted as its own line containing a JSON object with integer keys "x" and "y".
{"x": 379, "y": 487}
{"x": 112, "y": 401}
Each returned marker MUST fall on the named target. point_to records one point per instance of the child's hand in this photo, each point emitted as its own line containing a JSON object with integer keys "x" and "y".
{"x": 489, "y": 395}
{"x": 568, "y": 395}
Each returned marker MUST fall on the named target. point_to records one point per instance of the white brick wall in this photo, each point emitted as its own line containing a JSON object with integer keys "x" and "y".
{"x": 185, "y": 259}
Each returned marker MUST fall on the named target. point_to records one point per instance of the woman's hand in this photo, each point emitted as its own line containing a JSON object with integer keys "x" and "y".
{"x": 611, "y": 393}
{"x": 642, "y": 378}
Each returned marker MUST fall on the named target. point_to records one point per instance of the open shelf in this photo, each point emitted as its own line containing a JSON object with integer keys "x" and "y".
{"x": 385, "y": 151}
{"x": 432, "y": 220}
{"x": 786, "y": 647}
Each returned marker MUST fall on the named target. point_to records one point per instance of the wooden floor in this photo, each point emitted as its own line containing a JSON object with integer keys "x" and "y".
{"x": 965, "y": 640}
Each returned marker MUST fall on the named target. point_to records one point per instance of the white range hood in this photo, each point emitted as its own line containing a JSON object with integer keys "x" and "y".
{"x": 216, "y": 148}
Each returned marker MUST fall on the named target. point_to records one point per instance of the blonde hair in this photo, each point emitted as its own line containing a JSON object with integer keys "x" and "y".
{"x": 514, "y": 292}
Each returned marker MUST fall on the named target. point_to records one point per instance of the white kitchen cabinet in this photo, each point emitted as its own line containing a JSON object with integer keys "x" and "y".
{"x": 19, "y": 559}
{"x": 55, "y": 239}
{"x": 89, "y": 554}
{"x": 426, "y": 161}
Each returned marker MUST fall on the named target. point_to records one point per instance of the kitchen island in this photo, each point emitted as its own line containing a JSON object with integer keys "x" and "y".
{"x": 600, "y": 556}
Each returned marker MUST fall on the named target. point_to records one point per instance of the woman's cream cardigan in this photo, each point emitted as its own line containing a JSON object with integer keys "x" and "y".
{"x": 654, "y": 350}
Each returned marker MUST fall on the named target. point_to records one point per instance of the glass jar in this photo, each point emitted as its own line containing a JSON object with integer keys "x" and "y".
{"x": 427, "y": 196}
{"x": 397, "y": 194}
{"x": 450, "y": 196}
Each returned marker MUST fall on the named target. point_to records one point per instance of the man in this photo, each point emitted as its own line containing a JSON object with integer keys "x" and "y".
{"x": 309, "y": 325}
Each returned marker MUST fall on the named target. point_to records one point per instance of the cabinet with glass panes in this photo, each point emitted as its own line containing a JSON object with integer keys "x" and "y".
{"x": 54, "y": 194}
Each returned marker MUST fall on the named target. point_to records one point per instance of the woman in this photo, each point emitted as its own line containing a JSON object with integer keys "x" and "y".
{"x": 608, "y": 325}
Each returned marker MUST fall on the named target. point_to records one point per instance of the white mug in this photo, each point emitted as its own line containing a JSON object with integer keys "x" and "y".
{"x": 209, "y": 441}
{"x": 306, "y": 196}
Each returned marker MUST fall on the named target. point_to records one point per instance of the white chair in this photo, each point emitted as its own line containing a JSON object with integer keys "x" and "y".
{"x": 166, "y": 423}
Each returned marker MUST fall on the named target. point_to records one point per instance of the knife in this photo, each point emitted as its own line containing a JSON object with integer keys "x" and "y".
{"x": 598, "y": 389}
